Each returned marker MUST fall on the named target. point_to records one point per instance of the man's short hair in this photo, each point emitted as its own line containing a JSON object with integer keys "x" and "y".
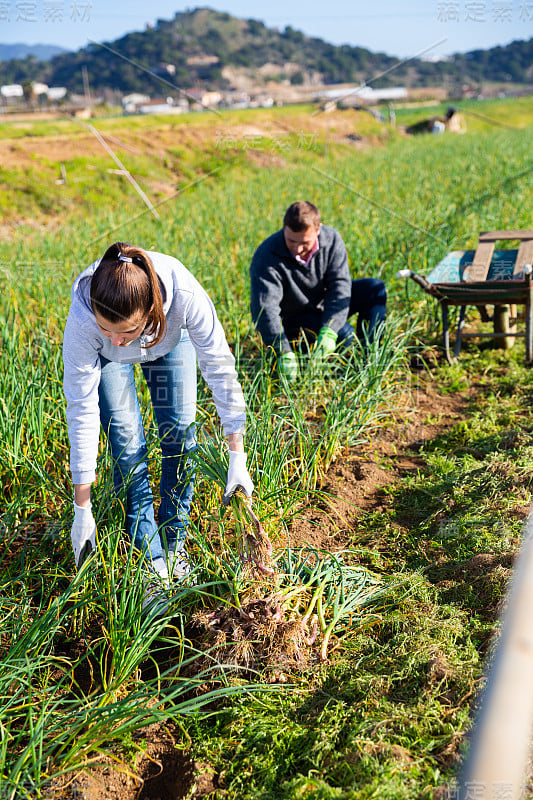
{"x": 301, "y": 215}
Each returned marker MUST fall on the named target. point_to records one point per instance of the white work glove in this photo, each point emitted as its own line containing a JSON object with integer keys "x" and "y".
{"x": 238, "y": 477}
{"x": 83, "y": 534}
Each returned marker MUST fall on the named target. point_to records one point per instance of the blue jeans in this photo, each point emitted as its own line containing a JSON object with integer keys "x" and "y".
{"x": 368, "y": 301}
{"x": 171, "y": 381}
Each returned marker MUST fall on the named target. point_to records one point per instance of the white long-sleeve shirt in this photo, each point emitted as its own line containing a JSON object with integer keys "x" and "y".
{"x": 187, "y": 307}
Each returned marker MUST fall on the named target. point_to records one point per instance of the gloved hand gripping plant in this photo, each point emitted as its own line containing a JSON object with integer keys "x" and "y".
{"x": 288, "y": 365}
{"x": 325, "y": 344}
{"x": 83, "y": 534}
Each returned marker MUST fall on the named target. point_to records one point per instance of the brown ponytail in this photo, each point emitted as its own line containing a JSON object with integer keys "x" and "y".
{"x": 122, "y": 289}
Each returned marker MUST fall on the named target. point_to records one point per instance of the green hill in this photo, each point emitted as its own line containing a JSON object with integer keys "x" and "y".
{"x": 206, "y": 47}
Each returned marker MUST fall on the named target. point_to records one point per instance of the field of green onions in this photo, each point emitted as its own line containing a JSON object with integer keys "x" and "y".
{"x": 348, "y": 668}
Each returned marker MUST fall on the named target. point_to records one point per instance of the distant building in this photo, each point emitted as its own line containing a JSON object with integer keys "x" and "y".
{"x": 12, "y": 90}
{"x": 160, "y": 106}
{"x": 56, "y": 93}
{"x": 392, "y": 93}
{"x": 39, "y": 88}
{"x": 355, "y": 95}
{"x": 131, "y": 102}
{"x": 235, "y": 99}
{"x": 135, "y": 97}
{"x": 205, "y": 98}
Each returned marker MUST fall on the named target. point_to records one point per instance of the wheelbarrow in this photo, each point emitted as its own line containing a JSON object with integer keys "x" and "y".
{"x": 485, "y": 277}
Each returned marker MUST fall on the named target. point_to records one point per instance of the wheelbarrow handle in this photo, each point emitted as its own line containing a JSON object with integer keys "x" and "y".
{"x": 423, "y": 282}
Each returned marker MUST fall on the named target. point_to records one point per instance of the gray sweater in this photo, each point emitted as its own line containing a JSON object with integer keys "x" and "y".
{"x": 281, "y": 288}
{"x": 188, "y": 308}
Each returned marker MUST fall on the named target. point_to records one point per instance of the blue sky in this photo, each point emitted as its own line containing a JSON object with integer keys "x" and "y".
{"x": 397, "y": 28}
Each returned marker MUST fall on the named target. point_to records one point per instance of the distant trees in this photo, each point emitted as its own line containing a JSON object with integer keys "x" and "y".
{"x": 255, "y": 27}
{"x": 22, "y": 70}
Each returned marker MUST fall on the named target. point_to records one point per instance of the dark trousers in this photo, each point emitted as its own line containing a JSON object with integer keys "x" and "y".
{"x": 368, "y": 301}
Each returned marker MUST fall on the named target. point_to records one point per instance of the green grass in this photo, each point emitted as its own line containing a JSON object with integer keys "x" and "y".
{"x": 386, "y": 716}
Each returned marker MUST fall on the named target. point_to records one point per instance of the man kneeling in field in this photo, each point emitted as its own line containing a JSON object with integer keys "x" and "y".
{"x": 300, "y": 282}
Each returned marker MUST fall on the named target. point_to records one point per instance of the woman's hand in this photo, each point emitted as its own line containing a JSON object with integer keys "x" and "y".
{"x": 238, "y": 476}
{"x": 83, "y": 533}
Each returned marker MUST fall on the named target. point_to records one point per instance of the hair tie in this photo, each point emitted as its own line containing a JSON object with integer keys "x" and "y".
{"x": 122, "y": 257}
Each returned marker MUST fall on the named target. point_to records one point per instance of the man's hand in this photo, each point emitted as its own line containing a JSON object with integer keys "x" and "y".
{"x": 238, "y": 477}
{"x": 288, "y": 365}
{"x": 83, "y": 534}
{"x": 325, "y": 344}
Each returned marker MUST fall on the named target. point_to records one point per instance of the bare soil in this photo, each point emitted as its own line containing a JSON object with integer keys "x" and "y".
{"x": 358, "y": 480}
{"x": 162, "y": 138}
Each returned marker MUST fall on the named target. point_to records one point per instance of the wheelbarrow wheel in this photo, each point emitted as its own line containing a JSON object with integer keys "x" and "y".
{"x": 504, "y": 322}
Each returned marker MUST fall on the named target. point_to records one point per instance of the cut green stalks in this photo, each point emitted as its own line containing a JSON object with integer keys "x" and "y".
{"x": 286, "y": 621}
